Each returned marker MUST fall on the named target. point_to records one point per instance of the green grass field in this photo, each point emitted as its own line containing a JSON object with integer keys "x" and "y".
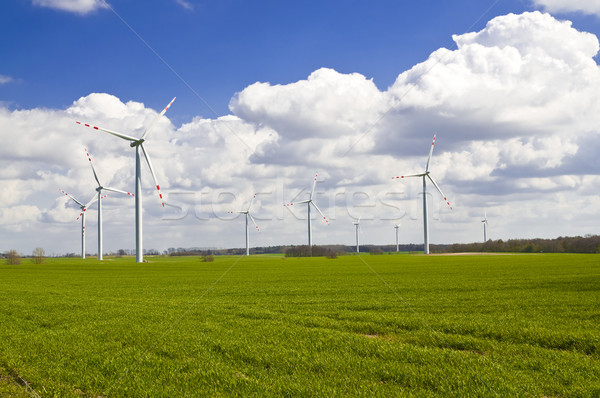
{"x": 468, "y": 326}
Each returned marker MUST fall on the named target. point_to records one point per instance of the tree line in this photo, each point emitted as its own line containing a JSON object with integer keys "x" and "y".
{"x": 563, "y": 244}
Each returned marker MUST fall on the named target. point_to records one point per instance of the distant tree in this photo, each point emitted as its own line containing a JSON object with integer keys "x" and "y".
{"x": 207, "y": 258}
{"x": 38, "y": 255}
{"x": 122, "y": 252}
{"x": 13, "y": 257}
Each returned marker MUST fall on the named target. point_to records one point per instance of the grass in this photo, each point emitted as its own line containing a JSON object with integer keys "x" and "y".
{"x": 519, "y": 325}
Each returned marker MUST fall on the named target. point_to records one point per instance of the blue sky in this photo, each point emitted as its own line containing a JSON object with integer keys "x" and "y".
{"x": 270, "y": 92}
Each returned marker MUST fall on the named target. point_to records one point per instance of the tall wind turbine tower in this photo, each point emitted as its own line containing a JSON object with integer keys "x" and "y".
{"x": 82, "y": 216}
{"x": 137, "y": 143}
{"x": 99, "y": 189}
{"x": 357, "y": 228}
{"x": 310, "y": 202}
{"x": 248, "y": 215}
{"x": 425, "y": 175}
{"x": 485, "y": 223}
{"x": 397, "y": 227}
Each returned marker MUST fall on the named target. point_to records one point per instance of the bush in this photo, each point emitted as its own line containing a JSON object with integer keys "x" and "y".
{"x": 207, "y": 258}
{"x": 331, "y": 254}
{"x": 13, "y": 257}
{"x": 38, "y": 255}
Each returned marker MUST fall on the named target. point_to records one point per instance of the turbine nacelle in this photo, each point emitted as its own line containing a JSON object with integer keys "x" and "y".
{"x": 137, "y": 143}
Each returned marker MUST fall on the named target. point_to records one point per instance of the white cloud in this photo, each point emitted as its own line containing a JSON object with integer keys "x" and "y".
{"x": 515, "y": 108}
{"x": 76, "y": 6}
{"x": 185, "y": 4}
{"x": 521, "y": 74}
{"x": 584, "y": 6}
{"x": 5, "y": 79}
{"x": 327, "y": 104}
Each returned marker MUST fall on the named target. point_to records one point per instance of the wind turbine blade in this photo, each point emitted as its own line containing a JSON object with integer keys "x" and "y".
{"x": 123, "y": 136}
{"x": 236, "y": 212}
{"x": 254, "y": 222}
{"x": 93, "y": 169}
{"x": 251, "y": 200}
{"x": 152, "y": 172}
{"x": 430, "y": 152}
{"x": 410, "y": 175}
{"x": 117, "y": 190}
{"x": 314, "y": 185}
{"x": 438, "y": 188}
{"x": 75, "y": 200}
{"x": 157, "y": 118}
{"x": 94, "y": 198}
{"x": 320, "y": 212}
{"x": 298, "y": 203}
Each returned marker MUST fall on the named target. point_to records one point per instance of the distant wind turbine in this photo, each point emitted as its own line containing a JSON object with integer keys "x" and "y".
{"x": 248, "y": 215}
{"x": 357, "y": 228}
{"x": 425, "y": 176}
{"x": 99, "y": 189}
{"x": 308, "y": 203}
{"x": 82, "y": 216}
{"x": 137, "y": 143}
{"x": 397, "y": 227}
{"x": 485, "y": 223}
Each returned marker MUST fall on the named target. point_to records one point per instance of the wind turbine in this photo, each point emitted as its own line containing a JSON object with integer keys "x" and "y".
{"x": 308, "y": 203}
{"x": 137, "y": 143}
{"x": 425, "y": 176}
{"x": 357, "y": 227}
{"x": 248, "y": 215}
{"x": 397, "y": 227}
{"x": 82, "y": 216}
{"x": 485, "y": 223}
{"x": 99, "y": 189}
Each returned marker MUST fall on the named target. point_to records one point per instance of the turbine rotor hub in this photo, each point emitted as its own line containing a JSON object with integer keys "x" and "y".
{"x": 137, "y": 143}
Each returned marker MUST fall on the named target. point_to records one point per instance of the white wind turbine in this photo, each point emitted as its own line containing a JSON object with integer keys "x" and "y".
{"x": 82, "y": 216}
{"x": 397, "y": 227}
{"x": 357, "y": 228}
{"x": 99, "y": 189}
{"x": 248, "y": 215}
{"x": 425, "y": 176}
{"x": 485, "y": 223}
{"x": 137, "y": 143}
{"x": 308, "y": 203}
